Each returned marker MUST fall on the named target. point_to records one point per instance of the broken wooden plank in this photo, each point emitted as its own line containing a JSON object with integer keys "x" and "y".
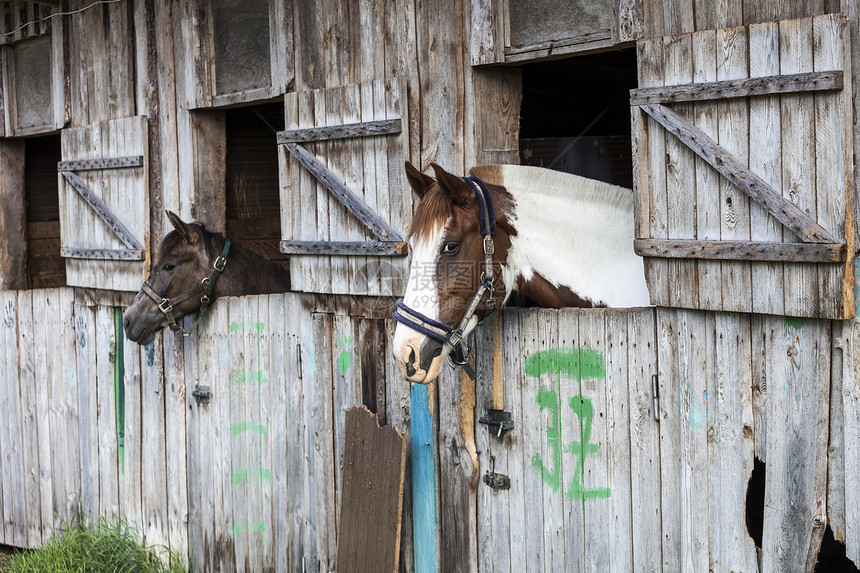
{"x": 374, "y": 470}
{"x": 807, "y": 82}
{"x": 350, "y": 200}
{"x": 360, "y": 248}
{"x": 741, "y": 250}
{"x": 363, "y": 129}
{"x": 783, "y": 210}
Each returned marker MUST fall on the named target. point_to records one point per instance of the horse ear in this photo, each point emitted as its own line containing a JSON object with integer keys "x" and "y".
{"x": 419, "y": 182}
{"x": 181, "y": 227}
{"x": 457, "y": 189}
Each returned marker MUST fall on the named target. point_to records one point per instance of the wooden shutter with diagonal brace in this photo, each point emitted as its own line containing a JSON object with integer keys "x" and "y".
{"x": 744, "y": 166}
{"x": 104, "y": 204}
{"x": 345, "y": 201}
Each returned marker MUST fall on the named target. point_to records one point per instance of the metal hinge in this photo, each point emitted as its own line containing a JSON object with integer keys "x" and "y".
{"x": 655, "y": 393}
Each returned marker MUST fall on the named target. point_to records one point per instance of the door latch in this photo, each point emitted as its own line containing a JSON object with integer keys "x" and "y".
{"x": 497, "y": 481}
{"x": 500, "y": 418}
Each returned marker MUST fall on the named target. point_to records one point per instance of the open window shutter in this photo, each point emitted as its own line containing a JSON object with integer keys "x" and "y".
{"x": 743, "y": 167}
{"x": 345, "y": 202}
{"x": 104, "y": 204}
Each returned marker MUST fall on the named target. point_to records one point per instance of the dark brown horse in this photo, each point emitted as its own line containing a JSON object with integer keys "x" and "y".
{"x": 186, "y": 263}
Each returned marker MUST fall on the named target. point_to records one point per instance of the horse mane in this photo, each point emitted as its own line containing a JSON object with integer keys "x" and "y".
{"x": 522, "y": 179}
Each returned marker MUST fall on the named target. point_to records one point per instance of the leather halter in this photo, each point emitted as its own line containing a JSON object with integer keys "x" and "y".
{"x": 454, "y": 335}
{"x": 206, "y": 286}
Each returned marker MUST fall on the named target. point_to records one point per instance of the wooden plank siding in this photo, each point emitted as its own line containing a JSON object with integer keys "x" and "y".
{"x": 727, "y": 199}
{"x": 252, "y": 478}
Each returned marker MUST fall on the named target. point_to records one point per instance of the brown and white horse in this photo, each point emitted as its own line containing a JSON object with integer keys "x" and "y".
{"x": 193, "y": 268}
{"x": 560, "y": 240}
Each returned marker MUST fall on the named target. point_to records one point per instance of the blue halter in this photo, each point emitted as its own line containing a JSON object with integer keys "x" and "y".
{"x": 454, "y": 335}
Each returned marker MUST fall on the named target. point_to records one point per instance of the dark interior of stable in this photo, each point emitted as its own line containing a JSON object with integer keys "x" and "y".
{"x": 45, "y": 266}
{"x": 252, "y": 180}
{"x": 575, "y": 115}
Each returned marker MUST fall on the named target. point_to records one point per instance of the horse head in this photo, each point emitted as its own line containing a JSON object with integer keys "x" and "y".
{"x": 454, "y": 275}
{"x": 178, "y": 284}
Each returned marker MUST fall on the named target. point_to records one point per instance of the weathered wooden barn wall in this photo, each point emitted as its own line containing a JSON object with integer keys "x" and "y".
{"x": 732, "y": 386}
{"x": 246, "y": 482}
{"x": 251, "y": 479}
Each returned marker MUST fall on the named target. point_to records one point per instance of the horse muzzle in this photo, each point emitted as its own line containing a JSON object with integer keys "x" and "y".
{"x": 141, "y": 321}
{"x": 419, "y": 358}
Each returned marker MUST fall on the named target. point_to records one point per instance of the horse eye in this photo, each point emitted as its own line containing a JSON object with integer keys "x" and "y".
{"x": 168, "y": 267}
{"x": 450, "y": 248}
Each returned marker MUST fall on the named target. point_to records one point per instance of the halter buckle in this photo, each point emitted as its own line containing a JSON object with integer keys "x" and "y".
{"x": 489, "y": 247}
{"x": 220, "y": 263}
{"x": 456, "y": 337}
{"x": 165, "y": 306}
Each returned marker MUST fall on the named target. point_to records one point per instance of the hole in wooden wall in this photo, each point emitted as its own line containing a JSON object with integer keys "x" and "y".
{"x": 253, "y": 197}
{"x": 575, "y": 115}
{"x": 755, "y": 502}
{"x": 45, "y": 267}
{"x": 832, "y": 557}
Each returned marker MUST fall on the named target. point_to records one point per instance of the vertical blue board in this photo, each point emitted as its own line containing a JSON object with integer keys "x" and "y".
{"x": 423, "y": 482}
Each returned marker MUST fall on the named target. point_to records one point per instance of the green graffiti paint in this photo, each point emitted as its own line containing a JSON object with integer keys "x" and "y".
{"x": 241, "y": 427}
{"x": 548, "y": 400}
{"x": 344, "y": 360}
{"x": 576, "y": 363}
{"x": 241, "y": 377}
{"x": 248, "y": 477}
{"x": 698, "y": 412}
{"x": 240, "y": 477}
{"x": 584, "y": 410}
{"x": 240, "y": 324}
{"x": 119, "y": 386}
{"x": 246, "y": 526}
{"x": 794, "y": 322}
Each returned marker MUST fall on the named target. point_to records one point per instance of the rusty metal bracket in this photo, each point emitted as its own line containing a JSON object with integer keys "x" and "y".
{"x": 202, "y": 394}
{"x": 497, "y": 481}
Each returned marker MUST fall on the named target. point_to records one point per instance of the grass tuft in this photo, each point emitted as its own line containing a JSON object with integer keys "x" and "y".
{"x": 86, "y": 547}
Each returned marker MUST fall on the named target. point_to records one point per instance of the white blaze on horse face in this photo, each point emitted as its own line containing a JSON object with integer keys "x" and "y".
{"x": 422, "y": 296}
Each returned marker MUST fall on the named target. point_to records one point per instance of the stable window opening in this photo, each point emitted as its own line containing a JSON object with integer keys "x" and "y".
{"x": 46, "y": 267}
{"x": 253, "y": 210}
{"x": 575, "y": 115}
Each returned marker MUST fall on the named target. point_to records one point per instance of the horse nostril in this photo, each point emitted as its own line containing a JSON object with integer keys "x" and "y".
{"x": 410, "y": 364}
{"x": 125, "y": 323}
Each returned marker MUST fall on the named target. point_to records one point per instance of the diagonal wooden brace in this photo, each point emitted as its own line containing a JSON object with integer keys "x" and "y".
{"x": 349, "y": 199}
{"x": 103, "y": 211}
{"x": 717, "y": 157}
